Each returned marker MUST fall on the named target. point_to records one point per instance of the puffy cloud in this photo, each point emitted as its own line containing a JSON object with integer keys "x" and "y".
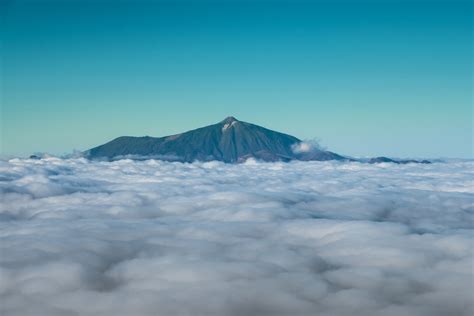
{"x": 307, "y": 146}
{"x": 301, "y": 238}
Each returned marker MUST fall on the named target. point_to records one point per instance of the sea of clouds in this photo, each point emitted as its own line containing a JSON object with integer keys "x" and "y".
{"x": 301, "y": 238}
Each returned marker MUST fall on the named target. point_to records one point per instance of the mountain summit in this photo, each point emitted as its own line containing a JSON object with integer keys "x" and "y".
{"x": 229, "y": 119}
{"x": 230, "y": 141}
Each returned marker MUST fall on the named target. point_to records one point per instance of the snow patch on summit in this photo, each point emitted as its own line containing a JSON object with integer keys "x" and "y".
{"x": 228, "y": 125}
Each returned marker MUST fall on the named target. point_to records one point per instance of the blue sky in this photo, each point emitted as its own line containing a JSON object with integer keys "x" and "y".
{"x": 367, "y": 78}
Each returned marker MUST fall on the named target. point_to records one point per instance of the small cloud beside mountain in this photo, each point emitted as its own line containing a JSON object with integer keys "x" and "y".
{"x": 307, "y": 146}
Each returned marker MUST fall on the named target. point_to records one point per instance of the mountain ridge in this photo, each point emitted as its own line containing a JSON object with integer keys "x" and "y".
{"x": 229, "y": 140}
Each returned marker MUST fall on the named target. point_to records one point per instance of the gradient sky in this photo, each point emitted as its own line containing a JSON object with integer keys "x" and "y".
{"x": 372, "y": 78}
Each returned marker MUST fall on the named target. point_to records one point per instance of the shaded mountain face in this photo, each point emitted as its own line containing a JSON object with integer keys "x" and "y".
{"x": 230, "y": 141}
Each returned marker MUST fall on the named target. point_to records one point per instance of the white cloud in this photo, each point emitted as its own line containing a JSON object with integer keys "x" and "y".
{"x": 300, "y": 238}
{"x": 306, "y": 146}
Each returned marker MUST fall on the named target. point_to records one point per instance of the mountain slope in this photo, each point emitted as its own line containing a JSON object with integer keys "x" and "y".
{"x": 230, "y": 140}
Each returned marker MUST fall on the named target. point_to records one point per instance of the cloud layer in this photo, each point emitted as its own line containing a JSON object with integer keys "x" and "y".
{"x": 300, "y": 238}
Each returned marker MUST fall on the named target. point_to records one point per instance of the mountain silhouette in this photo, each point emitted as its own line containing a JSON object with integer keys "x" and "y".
{"x": 229, "y": 141}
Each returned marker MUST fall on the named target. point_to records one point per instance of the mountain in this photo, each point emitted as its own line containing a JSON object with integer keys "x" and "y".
{"x": 385, "y": 160}
{"x": 229, "y": 141}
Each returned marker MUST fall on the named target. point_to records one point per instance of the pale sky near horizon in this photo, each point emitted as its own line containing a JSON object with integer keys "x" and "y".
{"x": 367, "y": 78}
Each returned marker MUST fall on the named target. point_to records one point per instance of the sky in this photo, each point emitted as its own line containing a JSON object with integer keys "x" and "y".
{"x": 366, "y": 78}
